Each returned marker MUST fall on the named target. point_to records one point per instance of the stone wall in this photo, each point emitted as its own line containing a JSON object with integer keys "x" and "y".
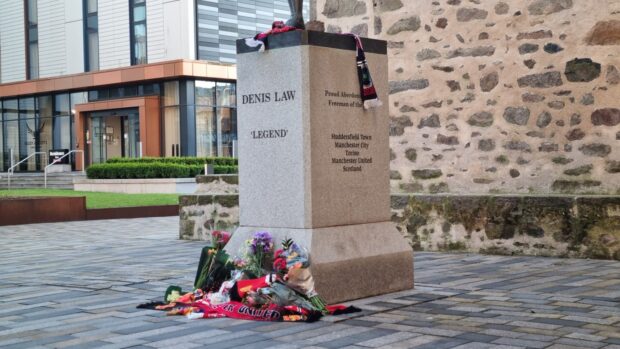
{"x": 561, "y": 226}
{"x": 200, "y": 214}
{"x": 490, "y": 96}
{"x": 214, "y": 206}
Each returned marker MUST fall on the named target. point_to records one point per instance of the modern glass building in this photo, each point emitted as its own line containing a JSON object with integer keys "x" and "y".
{"x": 122, "y": 77}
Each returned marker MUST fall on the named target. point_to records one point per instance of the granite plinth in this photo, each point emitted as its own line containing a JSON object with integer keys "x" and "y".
{"x": 312, "y": 156}
{"x": 314, "y": 164}
{"x": 348, "y": 262}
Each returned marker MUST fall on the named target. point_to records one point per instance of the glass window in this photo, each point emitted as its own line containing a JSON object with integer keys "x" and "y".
{"x": 138, "y": 32}
{"x": 44, "y": 123}
{"x": 130, "y": 91}
{"x": 206, "y": 135}
{"x": 27, "y": 132}
{"x": 45, "y": 106}
{"x": 171, "y": 93}
{"x": 33, "y": 16}
{"x": 91, "y": 35}
{"x": 10, "y": 114}
{"x": 205, "y": 93}
{"x": 62, "y": 121}
{"x": 93, "y": 51}
{"x": 149, "y": 90}
{"x": 139, "y": 44}
{"x": 98, "y": 95}
{"x": 116, "y": 92}
{"x": 227, "y": 131}
{"x": 226, "y": 94}
{"x": 139, "y": 13}
{"x": 131, "y": 135}
{"x": 91, "y": 6}
{"x": 33, "y": 39}
{"x": 43, "y": 139}
{"x": 10, "y": 110}
{"x": 77, "y": 98}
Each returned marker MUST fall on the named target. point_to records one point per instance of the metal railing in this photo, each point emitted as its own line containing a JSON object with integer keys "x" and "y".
{"x": 60, "y": 158}
{"x": 12, "y": 168}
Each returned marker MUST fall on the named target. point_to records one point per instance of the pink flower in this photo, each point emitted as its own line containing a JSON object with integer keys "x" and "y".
{"x": 220, "y": 238}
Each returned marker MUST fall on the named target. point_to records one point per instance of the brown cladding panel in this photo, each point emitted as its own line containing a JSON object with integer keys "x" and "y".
{"x": 28, "y": 210}
{"x": 136, "y": 74}
{"x": 153, "y": 127}
{"x": 132, "y": 212}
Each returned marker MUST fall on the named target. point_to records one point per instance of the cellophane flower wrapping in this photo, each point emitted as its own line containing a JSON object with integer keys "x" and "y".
{"x": 292, "y": 263}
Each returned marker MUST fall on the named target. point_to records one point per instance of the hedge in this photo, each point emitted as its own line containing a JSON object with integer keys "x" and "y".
{"x": 128, "y": 170}
{"x": 217, "y": 161}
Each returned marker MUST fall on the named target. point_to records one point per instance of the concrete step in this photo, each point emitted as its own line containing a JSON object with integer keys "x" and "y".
{"x": 23, "y": 180}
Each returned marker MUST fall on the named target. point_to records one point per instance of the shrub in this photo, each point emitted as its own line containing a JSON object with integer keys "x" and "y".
{"x": 216, "y": 161}
{"x": 128, "y": 170}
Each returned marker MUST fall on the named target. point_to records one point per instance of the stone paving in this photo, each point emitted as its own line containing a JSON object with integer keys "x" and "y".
{"x": 76, "y": 285}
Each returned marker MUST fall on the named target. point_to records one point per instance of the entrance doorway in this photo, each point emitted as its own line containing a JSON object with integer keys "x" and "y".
{"x": 112, "y": 134}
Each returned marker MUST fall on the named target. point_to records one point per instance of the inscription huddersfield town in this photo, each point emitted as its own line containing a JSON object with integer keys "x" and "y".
{"x": 267, "y": 97}
{"x": 354, "y": 145}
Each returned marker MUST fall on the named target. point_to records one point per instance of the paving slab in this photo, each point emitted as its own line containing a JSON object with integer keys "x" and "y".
{"x": 76, "y": 284}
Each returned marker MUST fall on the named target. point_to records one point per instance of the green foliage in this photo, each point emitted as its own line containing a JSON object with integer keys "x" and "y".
{"x": 141, "y": 170}
{"x": 176, "y": 167}
{"x": 216, "y": 161}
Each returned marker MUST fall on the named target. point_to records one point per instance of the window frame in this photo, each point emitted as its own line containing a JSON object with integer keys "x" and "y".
{"x": 133, "y": 5}
{"x": 31, "y": 26}
{"x": 90, "y": 17}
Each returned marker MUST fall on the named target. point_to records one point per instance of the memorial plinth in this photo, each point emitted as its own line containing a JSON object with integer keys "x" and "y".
{"x": 314, "y": 165}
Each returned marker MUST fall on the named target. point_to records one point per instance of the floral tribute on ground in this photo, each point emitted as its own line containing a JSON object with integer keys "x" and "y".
{"x": 261, "y": 284}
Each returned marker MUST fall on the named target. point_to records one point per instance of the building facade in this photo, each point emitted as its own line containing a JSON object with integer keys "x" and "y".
{"x": 122, "y": 77}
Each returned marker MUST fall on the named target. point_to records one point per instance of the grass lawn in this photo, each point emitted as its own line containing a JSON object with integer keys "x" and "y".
{"x": 100, "y": 200}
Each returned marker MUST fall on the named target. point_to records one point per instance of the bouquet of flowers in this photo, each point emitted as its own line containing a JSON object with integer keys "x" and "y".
{"x": 259, "y": 286}
{"x": 257, "y": 256}
{"x": 292, "y": 264}
{"x": 214, "y": 267}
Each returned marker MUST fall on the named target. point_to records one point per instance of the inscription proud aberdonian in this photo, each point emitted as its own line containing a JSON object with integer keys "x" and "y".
{"x": 342, "y": 99}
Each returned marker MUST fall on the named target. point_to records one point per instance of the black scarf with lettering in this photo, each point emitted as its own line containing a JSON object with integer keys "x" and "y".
{"x": 367, "y": 88}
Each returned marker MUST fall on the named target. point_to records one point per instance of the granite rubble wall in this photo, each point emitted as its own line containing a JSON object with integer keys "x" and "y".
{"x": 561, "y": 225}
{"x": 490, "y": 96}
